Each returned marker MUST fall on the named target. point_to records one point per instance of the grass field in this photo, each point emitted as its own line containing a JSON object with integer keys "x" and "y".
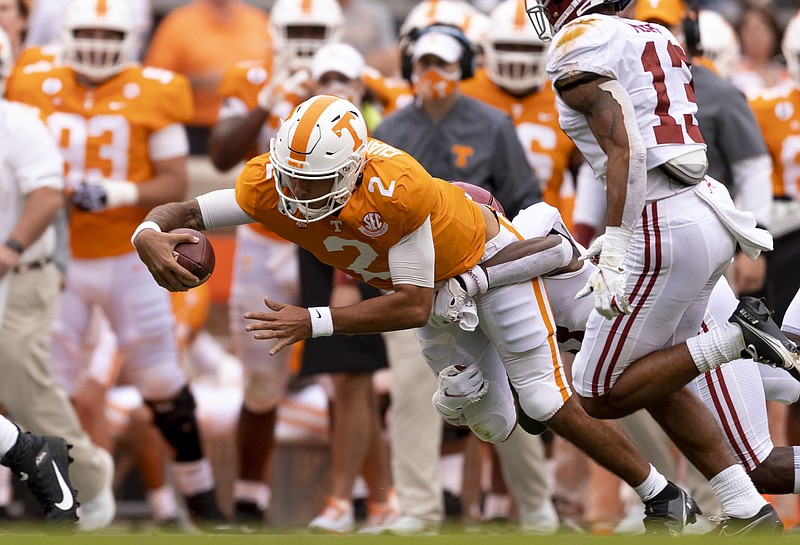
{"x": 31, "y": 537}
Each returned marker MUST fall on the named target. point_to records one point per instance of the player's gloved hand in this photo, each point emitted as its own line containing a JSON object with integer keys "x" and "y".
{"x": 452, "y": 305}
{"x": 592, "y": 253}
{"x": 608, "y": 283}
{"x": 459, "y": 387}
{"x": 270, "y": 94}
{"x": 100, "y": 194}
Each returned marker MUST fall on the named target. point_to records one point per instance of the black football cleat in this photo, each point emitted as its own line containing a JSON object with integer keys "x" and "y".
{"x": 42, "y": 463}
{"x": 763, "y": 339}
{"x": 766, "y": 521}
{"x": 670, "y": 512}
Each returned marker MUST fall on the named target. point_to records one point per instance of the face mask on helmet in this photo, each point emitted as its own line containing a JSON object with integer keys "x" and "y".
{"x": 300, "y": 27}
{"x": 550, "y": 16}
{"x": 790, "y": 47}
{"x": 515, "y": 57}
{"x": 318, "y": 156}
{"x": 98, "y": 37}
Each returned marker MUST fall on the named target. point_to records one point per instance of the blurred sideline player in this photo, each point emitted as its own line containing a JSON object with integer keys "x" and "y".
{"x": 513, "y": 80}
{"x": 120, "y": 128}
{"x": 254, "y": 99}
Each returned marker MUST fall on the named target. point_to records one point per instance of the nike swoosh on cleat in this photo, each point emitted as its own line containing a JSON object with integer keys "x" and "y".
{"x": 775, "y": 344}
{"x": 66, "y": 499}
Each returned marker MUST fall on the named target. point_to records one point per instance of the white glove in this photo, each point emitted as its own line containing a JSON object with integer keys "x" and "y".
{"x": 609, "y": 281}
{"x": 459, "y": 387}
{"x": 592, "y": 254}
{"x": 452, "y": 305}
{"x": 270, "y": 94}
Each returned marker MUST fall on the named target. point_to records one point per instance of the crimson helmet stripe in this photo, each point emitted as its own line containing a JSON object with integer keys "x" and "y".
{"x": 298, "y": 149}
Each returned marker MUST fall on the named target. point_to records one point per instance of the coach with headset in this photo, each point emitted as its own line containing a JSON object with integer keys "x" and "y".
{"x": 453, "y": 136}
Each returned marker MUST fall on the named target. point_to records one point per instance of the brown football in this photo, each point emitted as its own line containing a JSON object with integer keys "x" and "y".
{"x": 197, "y": 258}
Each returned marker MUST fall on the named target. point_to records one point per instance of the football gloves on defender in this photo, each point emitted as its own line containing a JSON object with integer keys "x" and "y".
{"x": 452, "y": 305}
{"x": 608, "y": 282}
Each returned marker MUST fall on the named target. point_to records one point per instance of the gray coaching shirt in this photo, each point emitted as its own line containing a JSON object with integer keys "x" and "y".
{"x": 727, "y": 124}
{"x": 474, "y": 143}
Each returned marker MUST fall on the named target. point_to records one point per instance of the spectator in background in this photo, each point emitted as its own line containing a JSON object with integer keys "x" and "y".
{"x": 14, "y": 20}
{"x": 201, "y": 40}
{"x": 44, "y": 24}
{"x": 760, "y": 35}
{"x": 369, "y": 27}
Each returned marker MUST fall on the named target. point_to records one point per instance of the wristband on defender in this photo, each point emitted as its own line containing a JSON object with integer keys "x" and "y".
{"x": 321, "y": 321}
{"x": 142, "y": 226}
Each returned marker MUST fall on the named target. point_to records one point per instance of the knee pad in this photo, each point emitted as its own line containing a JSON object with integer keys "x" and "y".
{"x": 464, "y": 397}
{"x": 540, "y": 404}
{"x": 177, "y": 422}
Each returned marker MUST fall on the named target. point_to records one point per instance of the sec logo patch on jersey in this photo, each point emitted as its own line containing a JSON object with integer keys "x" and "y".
{"x": 374, "y": 226}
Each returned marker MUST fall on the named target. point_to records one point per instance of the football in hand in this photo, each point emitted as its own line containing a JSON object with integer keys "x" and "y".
{"x": 197, "y": 258}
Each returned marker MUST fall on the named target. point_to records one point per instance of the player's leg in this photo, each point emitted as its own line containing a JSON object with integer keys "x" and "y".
{"x": 140, "y": 315}
{"x": 262, "y": 265}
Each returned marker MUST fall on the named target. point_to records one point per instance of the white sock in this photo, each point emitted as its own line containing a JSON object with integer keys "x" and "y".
{"x": 8, "y": 435}
{"x": 796, "y": 451}
{"x": 652, "y": 485}
{"x": 736, "y": 492}
{"x": 496, "y": 506}
{"x": 252, "y": 491}
{"x": 162, "y": 503}
{"x": 193, "y": 477}
{"x": 5, "y": 486}
{"x": 713, "y": 348}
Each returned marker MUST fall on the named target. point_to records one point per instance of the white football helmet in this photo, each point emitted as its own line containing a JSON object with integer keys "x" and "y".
{"x": 438, "y": 12}
{"x": 718, "y": 42}
{"x": 515, "y": 56}
{"x": 300, "y": 27}
{"x": 790, "y": 47}
{"x": 98, "y": 59}
{"x": 324, "y": 140}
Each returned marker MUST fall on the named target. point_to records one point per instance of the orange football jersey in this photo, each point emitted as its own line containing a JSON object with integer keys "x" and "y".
{"x": 104, "y": 132}
{"x": 547, "y": 147}
{"x": 393, "y": 93}
{"x": 777, "y": 111}
{"x": 394, "y": 198}
{"x": 35, "y": 54}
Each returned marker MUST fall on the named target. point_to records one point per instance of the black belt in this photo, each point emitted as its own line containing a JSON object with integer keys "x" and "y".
{"x": 34, "y": 265}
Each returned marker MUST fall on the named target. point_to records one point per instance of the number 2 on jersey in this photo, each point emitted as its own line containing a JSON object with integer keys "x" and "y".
{"x": 669, "y": 131}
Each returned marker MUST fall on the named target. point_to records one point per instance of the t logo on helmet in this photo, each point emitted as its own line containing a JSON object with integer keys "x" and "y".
{"x": 344, "y": 125}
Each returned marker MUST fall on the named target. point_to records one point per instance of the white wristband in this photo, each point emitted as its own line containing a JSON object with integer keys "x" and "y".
{"x": 120, "y": 193}
{"x": 321, "y": 321}
{"x": 142, "y": 226}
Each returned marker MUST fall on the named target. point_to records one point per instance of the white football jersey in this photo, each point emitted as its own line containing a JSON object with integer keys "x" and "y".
{"x": 652, "y": 67}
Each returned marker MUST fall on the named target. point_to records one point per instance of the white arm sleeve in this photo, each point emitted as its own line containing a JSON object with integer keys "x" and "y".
{"x": 791, "y": 320}
{"x": 411, "y": 260}
{"x": 220, "y": 209}
{"x": 168, "y": 142}
{"x": 753, "y": 180}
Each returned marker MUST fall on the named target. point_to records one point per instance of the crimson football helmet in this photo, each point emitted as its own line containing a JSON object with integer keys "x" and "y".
{"x": 549, "y": 16}
{"x": 323, "y": 141}
{"x": 98, "y": 58}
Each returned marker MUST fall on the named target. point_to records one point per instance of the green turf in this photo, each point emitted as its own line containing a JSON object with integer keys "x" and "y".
{"x": 300, "y": 537}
